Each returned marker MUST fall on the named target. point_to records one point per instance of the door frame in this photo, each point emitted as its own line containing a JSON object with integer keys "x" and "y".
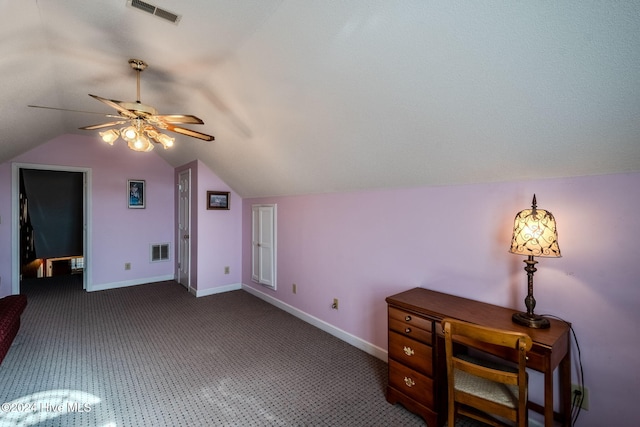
{"x": 258, "y": 249}
{"x": 15, "y": 221}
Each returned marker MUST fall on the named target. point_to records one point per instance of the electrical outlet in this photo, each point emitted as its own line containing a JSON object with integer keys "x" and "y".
{"x": 579, "y": 393}
{"x": 294, "y": 288}
{"x": 127, "y": 266}
{"x": 335, "y": 304}
{"x": 226, "y": 270}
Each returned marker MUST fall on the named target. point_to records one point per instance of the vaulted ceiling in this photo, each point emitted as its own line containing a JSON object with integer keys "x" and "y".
{"x": 308, "y": 96}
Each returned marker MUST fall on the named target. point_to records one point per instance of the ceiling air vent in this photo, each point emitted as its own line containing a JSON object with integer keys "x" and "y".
{"x": 154, "y": 10}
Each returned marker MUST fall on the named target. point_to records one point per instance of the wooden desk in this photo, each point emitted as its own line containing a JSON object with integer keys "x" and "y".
{"x": 417, "y": 369}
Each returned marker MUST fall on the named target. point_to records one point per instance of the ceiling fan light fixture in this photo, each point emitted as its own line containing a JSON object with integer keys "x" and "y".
{"x": 141, "y": 122}
{"x": 129, "y": 134}
{"x": 165, "y": 140}
{"x": 140, "y": 143}
{"x": 109, "y": 136}
{"x": 160, "y": 138}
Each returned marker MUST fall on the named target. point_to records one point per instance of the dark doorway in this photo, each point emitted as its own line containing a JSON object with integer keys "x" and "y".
{"x": 51, "y": 219}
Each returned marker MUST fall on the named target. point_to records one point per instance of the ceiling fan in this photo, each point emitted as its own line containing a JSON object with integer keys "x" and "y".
{"x": 142, "y": 122}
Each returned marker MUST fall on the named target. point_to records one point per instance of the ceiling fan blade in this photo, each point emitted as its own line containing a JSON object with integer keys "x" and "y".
{"x": 103, "y": 125}
{"x": 66, "y": 109}
{"x": 186, "y": 119}
{"x": 114, "y": 104}
{"x": 189, "y": 132}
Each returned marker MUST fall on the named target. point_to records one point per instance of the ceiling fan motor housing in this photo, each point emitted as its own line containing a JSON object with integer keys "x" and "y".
{"x": 137, "y": 64}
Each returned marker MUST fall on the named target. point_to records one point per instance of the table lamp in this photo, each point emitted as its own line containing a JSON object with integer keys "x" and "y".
{"x": 534, "y": 234}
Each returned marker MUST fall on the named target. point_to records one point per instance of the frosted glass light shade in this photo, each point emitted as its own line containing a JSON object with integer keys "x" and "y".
{"x": 141, "y": 143}
{"x": 129, "y": 133}
{"x": 109, "y": 136}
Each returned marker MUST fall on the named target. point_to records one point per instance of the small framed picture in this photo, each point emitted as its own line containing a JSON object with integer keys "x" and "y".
{"x": 136, "y": 193}
{"x": 218, "y": 200}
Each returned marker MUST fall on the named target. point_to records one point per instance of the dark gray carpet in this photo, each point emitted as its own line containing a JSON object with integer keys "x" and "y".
{"x": 154, "y": 355}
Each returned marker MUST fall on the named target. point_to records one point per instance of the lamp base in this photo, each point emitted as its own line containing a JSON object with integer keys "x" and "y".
{"x": 530, "y": 320}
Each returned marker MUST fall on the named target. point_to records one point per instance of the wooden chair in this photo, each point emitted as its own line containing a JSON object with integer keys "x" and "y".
{"x": 488, "y": 391}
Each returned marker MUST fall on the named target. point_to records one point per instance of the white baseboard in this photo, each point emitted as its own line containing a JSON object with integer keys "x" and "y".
{"x": 212, "y": 291}
{"x": 126, "y": 283}
{"x": 365, "y": 346}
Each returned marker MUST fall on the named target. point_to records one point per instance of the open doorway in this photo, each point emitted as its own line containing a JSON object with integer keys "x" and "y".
{"x": 50, "y": 222}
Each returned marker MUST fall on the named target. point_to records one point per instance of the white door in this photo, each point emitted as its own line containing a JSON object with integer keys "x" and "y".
{"x": 263, "y": 267}
{"x": 184, "y": 228}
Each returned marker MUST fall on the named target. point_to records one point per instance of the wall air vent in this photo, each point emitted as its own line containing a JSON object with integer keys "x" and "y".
{"x": 159, "y": 252}
{"x": 154, "y": 10}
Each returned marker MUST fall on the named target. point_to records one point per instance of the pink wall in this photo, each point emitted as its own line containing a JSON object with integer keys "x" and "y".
{"x": 219, "y": 235}
{"x": 119, "y": 234}
{"x": 216, "y": 241}
{"x": 361, "y": 247}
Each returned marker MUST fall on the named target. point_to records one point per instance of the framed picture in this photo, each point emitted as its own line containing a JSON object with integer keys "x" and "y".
{"x": 136, "y": 193}
{"x": 217, "y": 200}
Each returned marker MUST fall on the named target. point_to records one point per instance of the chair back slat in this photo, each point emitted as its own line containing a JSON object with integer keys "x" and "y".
{"x": 486, "y": 387}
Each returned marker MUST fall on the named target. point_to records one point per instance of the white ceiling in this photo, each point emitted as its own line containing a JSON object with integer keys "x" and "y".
{"x": 308, "y": 96}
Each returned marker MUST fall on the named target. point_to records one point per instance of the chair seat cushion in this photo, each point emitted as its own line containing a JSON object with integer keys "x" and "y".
{"x": 496, "y": 392}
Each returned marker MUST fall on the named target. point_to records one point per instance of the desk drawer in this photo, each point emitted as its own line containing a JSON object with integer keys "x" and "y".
{"x": 410, "y": 331}
{"x": 411, "y": 325}
{"x": 412, "y": 353}
{"x": 536, "y": 361}
{"x": 411, "y": 383}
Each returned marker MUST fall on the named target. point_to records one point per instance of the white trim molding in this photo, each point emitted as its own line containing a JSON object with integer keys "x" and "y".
{"x": 217, "y": 290}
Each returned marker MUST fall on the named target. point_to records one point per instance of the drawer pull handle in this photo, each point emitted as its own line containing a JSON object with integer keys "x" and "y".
{"x": 407, "y": 330}
{"x": 408, "y": 351}
{"x": 409, "y": 382}
{"x": 407, "y": 318}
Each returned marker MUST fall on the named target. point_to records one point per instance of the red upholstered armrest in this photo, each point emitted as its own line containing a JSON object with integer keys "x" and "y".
{"x": 11, "y": 308}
